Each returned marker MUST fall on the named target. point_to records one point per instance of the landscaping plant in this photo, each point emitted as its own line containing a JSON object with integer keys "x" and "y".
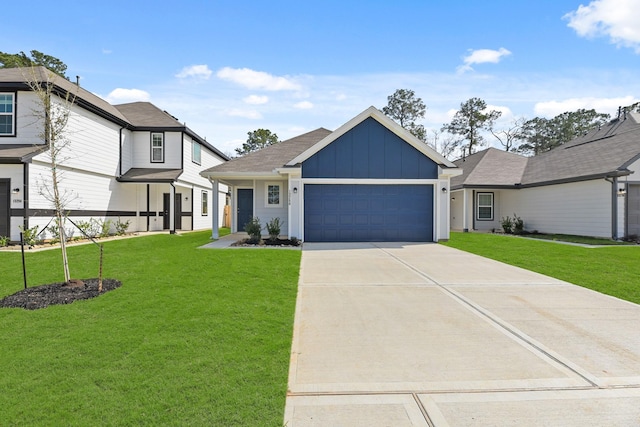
{"x": 254, "y": 229}
{"x": 273, "y": 228}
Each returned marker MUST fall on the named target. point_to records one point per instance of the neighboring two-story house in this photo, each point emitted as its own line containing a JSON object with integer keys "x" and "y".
{"x": 130, "y": 162}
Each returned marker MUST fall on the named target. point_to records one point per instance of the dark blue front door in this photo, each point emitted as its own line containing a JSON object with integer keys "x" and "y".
{"x": 244, "y": 209}
{"x": 368, "y": 213}
{"x": 4, "y": 207}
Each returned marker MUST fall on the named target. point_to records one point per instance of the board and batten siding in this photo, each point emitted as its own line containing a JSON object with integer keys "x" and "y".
{"x": 369, "y": 150}
{"x": 578, "y": 208}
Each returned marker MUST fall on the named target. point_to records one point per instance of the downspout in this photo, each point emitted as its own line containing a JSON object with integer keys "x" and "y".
{"x": 148, "y": 206}
{"x": 614, "y": 206}
{"x": 172, "y": 210}
{"x": 25, "y": 192}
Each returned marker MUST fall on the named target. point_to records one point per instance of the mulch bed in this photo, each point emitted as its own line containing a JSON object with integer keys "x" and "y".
{"x": 267, "y": 242}
{"x": 57, "y": 293}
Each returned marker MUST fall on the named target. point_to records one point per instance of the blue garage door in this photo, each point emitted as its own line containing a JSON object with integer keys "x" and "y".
{"x": 368, "y": 213}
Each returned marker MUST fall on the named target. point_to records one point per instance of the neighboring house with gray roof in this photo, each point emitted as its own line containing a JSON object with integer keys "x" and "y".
{"x": 589, "y": 186}
{"x": 369, "y": 180}
{"x": 132, "y": 162}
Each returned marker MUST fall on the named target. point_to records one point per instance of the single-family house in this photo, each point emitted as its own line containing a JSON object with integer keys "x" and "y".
{"x": 589, "y": 186}
{"x": 130, "y": 162}
{"x": 369, "y": 180}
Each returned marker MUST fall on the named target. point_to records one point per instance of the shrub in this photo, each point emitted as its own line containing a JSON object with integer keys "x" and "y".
{"x": 121, "y": 227}
{"x": 253, "y": 228}
{"x": 105, "y": 227}
{"x": 507, "y": 224}
{"x": 518, "y": 225}
{"x": 89, "y": 228}
{"x": 4, "y": 241}
{"x": 273, "y": 228}
{"x": 30, "y": 235}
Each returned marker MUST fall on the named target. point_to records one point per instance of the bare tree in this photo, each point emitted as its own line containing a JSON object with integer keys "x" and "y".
{"x": 510, "y": 136}
{"x": 52, "y": 111}
{"x": 444, "y": 143}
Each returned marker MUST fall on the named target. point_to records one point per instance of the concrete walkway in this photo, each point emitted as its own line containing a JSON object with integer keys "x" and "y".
{"x": 426, "y": 335}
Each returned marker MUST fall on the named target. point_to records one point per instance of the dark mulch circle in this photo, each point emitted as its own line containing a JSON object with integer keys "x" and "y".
{"x": 57, "y": 293}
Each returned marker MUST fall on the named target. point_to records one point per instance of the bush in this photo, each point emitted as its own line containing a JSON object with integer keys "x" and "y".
{"x": 507, "y": 224}
{"x": 30, "y": 235}
{"x": 273, "y": 228}
{"x": 121, "y": 227}
{"x": 89, "y": 228}
{"x": 4, "y": 241}
{"x": 253, "y": 228}
{"x": 518, "y": 225}
{"x": 105, "y": 227}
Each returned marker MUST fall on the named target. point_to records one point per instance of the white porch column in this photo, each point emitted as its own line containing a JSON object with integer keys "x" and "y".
{"x": 215, "y": 217}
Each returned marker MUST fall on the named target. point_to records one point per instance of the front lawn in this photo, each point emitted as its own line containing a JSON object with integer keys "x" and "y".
{"x": 193, "y": 337}
{"x": 611, "y": 270}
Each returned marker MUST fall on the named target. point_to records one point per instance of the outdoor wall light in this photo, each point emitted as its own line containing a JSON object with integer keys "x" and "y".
{"x": 444, "y": 189}
{"x": 295, "y": 190}
{"x": 15, "y": 190}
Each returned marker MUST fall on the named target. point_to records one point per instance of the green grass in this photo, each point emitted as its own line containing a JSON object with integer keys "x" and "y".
{"x": 610, "y": 270}
{"x": 193, "y": 337}
{"x": 578, "y": 239}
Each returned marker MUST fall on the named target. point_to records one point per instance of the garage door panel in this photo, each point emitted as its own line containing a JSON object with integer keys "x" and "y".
{"x": 368, "y": 212}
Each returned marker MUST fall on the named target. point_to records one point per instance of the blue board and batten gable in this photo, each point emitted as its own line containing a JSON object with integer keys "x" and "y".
{"x": 369, "y": 150}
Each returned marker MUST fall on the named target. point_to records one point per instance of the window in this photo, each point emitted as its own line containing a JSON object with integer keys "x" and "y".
{"x": 7, "y": 114}
{"x": 485, "y": 207}
{"x": 157, "y": 148}
{"x": 273, "y": 195}
{"x": 205, "y": 203}
{"x": 196, "y": 153}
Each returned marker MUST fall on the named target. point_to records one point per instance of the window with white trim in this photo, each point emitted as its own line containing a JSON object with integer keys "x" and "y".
{"x": 196, "y": 153}
{"x": 7, "y": 114}
{"x": 205, "y": 203}
{"x": 484, "y": 206}
{"x": 273, "y": 195}
{"x": 157, "y": 147}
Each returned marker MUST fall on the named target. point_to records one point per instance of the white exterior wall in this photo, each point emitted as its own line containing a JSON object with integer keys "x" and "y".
{"x": 442, "y": 213}
{"x": 14, "y": 173}
{"x": 578, "y": 208}
{"x": 141, "y": 150}
{"x": 126, "y": 152}
{"x": 295, "y": 207}
{"x": 28, "y": 130}
{"x": 265, "y": 213}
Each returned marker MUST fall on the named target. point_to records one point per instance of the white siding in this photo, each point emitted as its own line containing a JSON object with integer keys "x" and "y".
{"x": 266, "y": 214}
{"x": 578, "y": 208}
{"x": 28, "y": 130}
{"x": 16, "y": 201}
{"x": 127, "y": 151}
{"x": 141, "y": 150}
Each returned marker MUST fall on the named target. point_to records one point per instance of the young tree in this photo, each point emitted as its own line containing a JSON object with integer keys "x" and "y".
{"x": 470, "y": 120}
{"x": 405, "y": 108}
{"x": 52, "y": 111}
{"x": 21, "y": 60}
{"x": 510, "y": 136}
{"x": 257, "y": 140}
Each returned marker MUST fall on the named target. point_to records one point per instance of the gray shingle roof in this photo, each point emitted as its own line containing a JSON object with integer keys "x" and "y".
{"x": 11, "y": 153}
{"x": 147, "y": 115}
{"x": 606, "y": 151}
{"x": 271, "y": 157}
{"x": 150, "y": 175}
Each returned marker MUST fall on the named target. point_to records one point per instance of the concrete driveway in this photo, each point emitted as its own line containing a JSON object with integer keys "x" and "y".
{"x": 425, "y": 335}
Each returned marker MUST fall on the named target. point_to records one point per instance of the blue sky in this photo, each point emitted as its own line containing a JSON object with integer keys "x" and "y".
{"x": 230, "y": 67}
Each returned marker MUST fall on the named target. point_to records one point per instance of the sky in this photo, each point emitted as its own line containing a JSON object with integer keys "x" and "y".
{"x": 226, "y": 68}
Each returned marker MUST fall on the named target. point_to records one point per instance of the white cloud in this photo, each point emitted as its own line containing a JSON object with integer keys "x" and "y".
{"x": 617, "y": 19}
{"x": 122, "y": 96}
{"x": 257, "y": 79}
{"x": 481, "y": 56}
{"x": 247, "y": 114}
{"x": 256, "y": 99}
{"x": 107, "y": 51}
{"x": 601, "y": 105}
{"x": 195, "y": 71}
{"x": 303, "y": 105}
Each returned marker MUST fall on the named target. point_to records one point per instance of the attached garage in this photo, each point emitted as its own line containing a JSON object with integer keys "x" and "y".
{"x": 368, "y": 213}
